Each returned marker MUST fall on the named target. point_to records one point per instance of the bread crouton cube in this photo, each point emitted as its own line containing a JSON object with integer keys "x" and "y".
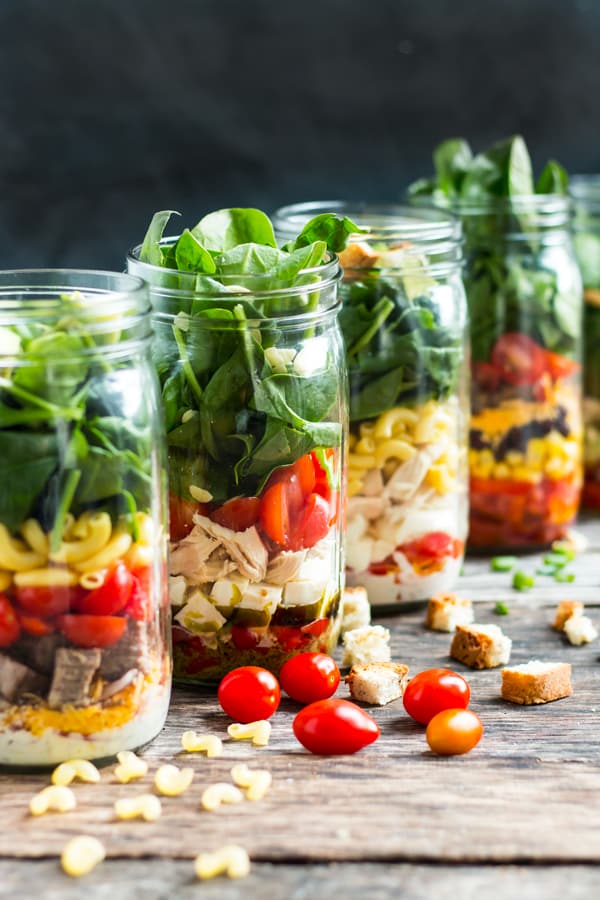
{"x": 564, "y": 611}
{"x": 356, "y": 609}
{"x": 446, "y": 611}
{"x": 580, "y": 630}
{"x": 536, "y": 682}
{"x": 480, "y": 646}
{"x": 377, "y": 683}
{"x": 366, "y": 645}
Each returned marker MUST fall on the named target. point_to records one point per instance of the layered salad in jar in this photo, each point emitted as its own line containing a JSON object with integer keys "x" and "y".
{"x": 251, "y": 366}
{"x": 84, "y": 663}
{"x": 403, "y": 322}
{"x": 524, "y": 294}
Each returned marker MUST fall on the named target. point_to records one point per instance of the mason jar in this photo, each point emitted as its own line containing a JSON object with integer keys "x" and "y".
{"x": 585, "y": 191}
{"x": 403, "y": 321}
{"x": 84, "y": 643}
{"x": 254, "y": 393}
{"x": 524, "y": 295}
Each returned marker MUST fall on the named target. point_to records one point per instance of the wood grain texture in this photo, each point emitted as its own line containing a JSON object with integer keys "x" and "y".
{"x": 162, "y": 879}
{"x": 529, "y": 792}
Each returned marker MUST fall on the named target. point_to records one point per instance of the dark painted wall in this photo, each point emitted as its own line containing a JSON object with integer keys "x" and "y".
{"x": 110, "y": 109}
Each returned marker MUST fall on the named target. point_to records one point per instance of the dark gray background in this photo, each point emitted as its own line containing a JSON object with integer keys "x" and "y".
{"x": 111, "y": 109}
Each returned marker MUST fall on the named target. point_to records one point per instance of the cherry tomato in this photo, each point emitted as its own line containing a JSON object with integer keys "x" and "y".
{"x": 560, "y": 366}
{"x": 249, "y": 693}
{"x": 239, "y": 513}
{"x": 518, "y": 358}
{"x": 181, "y": 514}
{"x": 316, "y": 628}
{"x": 46, "y": 602}
{"x": 290, "y": 638}
{"x": 112, "y": 596}
{"x": 334, "y": 727}
{"x": 312, "y": 524}
{"x": 454, "y": 731}
{"x": 92, "y": 631}
{"x": 9, "y": 624}
{"x": 309, "y": 677}
{"x": 34, "y": 625}
{"x": 434, "y": 545}
{"x": 274, "y": 514}
{"x": 139, "y": 605}
{"x": 433, "y": 690}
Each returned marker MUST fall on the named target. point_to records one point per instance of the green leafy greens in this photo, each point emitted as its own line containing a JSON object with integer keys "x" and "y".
{"x": 238, "y": 404}
{"x": 511, "y": 283}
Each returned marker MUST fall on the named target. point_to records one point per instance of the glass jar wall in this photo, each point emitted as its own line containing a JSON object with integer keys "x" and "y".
{"x": 403, "y": 321}
{"x": 84, "y": 652}
{"x": 585, "y": 190}
{"x": 524, "y": 294}
{"x": 254, "y": 391}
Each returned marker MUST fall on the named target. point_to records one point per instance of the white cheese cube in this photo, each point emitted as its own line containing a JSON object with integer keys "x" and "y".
{"x": 199, "y": 615}
{"x": 177, "y": 586}
{"x": 226, "y": 593}
{"x": 301, "y": 593}
{"x": 261, "y": 597}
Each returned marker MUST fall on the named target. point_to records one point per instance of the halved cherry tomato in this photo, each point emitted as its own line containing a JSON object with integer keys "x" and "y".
{"x": 300, "y": 475}
{"x": 274, "y": 514}
{"x": 518, "y": 358}
{"x": 239, "y": 513}
{"x": 312, "y": 524}
{"x": 454, "y": 731}
{"x": 249, "y": 693}
{"x": 434, "y": 545}
{"x": 486, "y": 377}
{"x": 46, "y": 602}
{"x": 9, "y": 624}
{"x": 112, "y": 596}
{"x": 92, "y": 631}
{"x": 316, "y": 628}
{"x": 35, "y": 625}
{"x": 244, "y": 638}
{"x": 331, "y": 727}
{"x": 309, "y": 677}
{"x": 139, "y": 605}
{"x": 289, "y": 638}
{"x": 181, "y": 514}
{"x": 433, "y": 690}
{"x": 560, "y": 366}
{"x": 322, "y": 483}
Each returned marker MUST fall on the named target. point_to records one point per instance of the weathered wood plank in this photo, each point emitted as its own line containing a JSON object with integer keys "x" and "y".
{"x": 158, "y": 880}
{"x": 535, "y": 767}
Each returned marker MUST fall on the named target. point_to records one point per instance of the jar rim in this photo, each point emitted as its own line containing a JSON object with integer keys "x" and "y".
{"x": 585, "y": 193}
{"x": 550, "y": 205}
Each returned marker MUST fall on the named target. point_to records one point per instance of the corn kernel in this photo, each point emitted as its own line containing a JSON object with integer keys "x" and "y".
{"x": 258, "y": 732}
{"x": 501, "y": 470}
{"x": 54, "y": 798}
{"x": 439, "y": 478}
{"x": 219, "y": 793}
{"x": 82, "y": 769}
{"x": 81, "y": 855}
{"x": 231, "y": 860}
{"x": 199, "y": 743}
{"x": 172, "y": 781}
{"x": 355, "y": 486}
{"x": 145, "y": 806}
{"x": 514, "y": 458}
{"x": 524, "y": 473}
{"x": 130, "y": 767}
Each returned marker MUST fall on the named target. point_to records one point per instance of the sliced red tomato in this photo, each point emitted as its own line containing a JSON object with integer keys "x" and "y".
{"x": 289, "y": 638}
{"x": 112, "y": 596}
{"x": 518, "y": 358}
{"x": 560, "y": 366}
{"x": 434, "y": 545}
{"x": 35, "y": 625}
{"x": 312, "y": 524}
{"x": 322, "y": 459}
{"x": 46, "y": 602}
{"x": 9, "y": 624}
{"x": 300, "y": 476}
{"x": 239, "y": 513}
{"x": 92, "y": 631}
{"x": 181, "y": 514}
{"x": 139, "y": 606}
{"x": 316, "y": 628}
{"x": 274, "y": 514}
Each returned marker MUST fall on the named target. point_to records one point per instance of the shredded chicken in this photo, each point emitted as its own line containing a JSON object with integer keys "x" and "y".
{"x": 284, "y": 567}
{"x": 244, "y": 548}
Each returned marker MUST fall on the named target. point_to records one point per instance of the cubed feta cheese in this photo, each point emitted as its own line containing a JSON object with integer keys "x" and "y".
{"x": 199, "y": 614}
{"x": 177, "y": 586}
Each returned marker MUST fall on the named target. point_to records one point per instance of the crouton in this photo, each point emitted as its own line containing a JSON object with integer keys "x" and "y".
{"x": 480, "y": 646}
{"x": 580, "y": 630}
{"x": 536, "y": 682}
{"x": 366, "y": 645}
{"x": 446, "y": 611}
{"x": 356, "y": 610}
{"x": 377, "y": 683}
{"x": 564, "y": 611}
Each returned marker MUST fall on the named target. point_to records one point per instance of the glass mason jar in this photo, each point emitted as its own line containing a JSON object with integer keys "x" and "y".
{"x": 524, "y": 295}
{"x": 585, "y": 191}
{"x": 404, "y": 322}
{"x": 254, "y": 388}
{"x": 84, "y": 650}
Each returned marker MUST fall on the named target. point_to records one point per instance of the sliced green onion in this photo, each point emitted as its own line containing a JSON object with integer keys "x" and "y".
{"x": 546, "y": 570}
{"x": 501, "y": 609}
{"x": 522, "y": 581}
{"x": 565, "y": 577}
{"x": 558, "y": 560}
{"x": 503, "y": 563}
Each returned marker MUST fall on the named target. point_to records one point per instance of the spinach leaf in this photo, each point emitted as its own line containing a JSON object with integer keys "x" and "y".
{"x": 27, "y": 460}
{"x": 190, "y": 255}
{"x": 328, "y": 228}
{"x": 451, "y": 160}
{"x": 151, "y": 251}
{"x": 225, "y": 229}
{"x": 553, "y": 179}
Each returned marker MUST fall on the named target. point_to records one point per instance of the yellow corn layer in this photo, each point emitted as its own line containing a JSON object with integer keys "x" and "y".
{"x": 554, "y": 457}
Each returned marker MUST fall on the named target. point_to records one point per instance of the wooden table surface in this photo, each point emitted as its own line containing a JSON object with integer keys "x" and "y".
{"x": 517, "y": 818}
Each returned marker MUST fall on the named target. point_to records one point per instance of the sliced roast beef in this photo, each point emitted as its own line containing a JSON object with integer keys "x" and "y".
{"x": 74, "y": 670}
{"x": 17, "y": 679}
{"x": 38, "y": 652}
{"x": 131, "y": 652}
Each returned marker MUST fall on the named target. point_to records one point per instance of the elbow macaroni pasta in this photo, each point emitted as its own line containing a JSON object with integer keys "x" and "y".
{"x": 130, "y": 767}
{"x": 81, "y": 855}
{"x": 54, "y": 798}
{"x": 146, "y": 807}
{"x": 198, "y": 743}
{"x": 82, "y": 769}
{"x": 231, "y": 860}
{"x": 219, "y": 793}
{"x": 258, "y": 732}
{"x": 256, "y": 781}
{"x": 172, "y": 781}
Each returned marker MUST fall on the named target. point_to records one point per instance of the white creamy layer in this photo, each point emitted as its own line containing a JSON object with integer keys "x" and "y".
{"x": 18, "y": 747}
{"x": 385, "y": 590}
